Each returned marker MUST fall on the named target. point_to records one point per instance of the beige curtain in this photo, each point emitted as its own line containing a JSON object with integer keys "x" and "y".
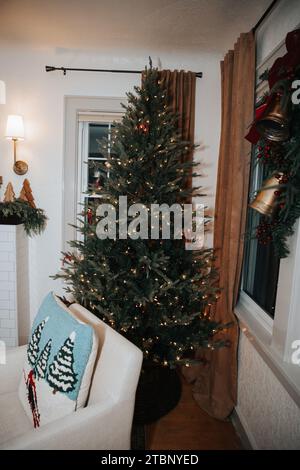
{"x": 181, "y": 88}
{"x": 215, "y": 381}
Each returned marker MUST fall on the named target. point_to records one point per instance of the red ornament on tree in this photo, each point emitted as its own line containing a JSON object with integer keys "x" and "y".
{"x": 143, "y": 127}
{"x": 66, "y": 258}
{"x": 90, "y": 216}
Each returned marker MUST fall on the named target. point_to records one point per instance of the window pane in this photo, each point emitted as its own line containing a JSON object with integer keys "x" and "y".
{"x": 96, "y": 133}
{"x": 97, "y": 174}
{"x": 90, "y": 208}
{"x": 261, "y": 269}
{"x": 261, "y": 266}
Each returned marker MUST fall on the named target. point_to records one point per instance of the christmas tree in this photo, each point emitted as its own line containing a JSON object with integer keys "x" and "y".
{"x": 153, "y": 291}
{"x": 33, "y": 347}
{"x": 41, "y": 365}
{"x": 61, "y": 376}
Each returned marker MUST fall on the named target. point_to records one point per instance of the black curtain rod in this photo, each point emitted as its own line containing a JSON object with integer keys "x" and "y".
{"x": 50, "y": 68}
{"x": 265, "y": 14}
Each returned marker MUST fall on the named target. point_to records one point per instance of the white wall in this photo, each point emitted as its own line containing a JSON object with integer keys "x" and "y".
{"x": 270, "y": 417}
{"x": 39, "y": 97}
{"x": 268, "y": 413}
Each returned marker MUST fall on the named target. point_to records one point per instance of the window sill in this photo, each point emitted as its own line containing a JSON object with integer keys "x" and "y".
{"x": 261, "y": 338}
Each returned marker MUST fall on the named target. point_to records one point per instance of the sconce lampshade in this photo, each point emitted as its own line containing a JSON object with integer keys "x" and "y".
{"x": 2, "y": 92}
{"x": 15, "y": 127}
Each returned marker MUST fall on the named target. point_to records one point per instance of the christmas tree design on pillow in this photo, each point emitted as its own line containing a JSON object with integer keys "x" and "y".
{"x": 61, "y": 376}
{"x": 57, "y": 355}
{"x": 42, "y": 363}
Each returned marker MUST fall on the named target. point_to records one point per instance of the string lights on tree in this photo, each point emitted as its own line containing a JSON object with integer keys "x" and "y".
{"x": 153, "y": 291}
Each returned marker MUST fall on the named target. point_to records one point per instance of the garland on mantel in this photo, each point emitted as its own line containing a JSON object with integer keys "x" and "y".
{"x": 34, "y": 219}
{"x": 281, "y": 159}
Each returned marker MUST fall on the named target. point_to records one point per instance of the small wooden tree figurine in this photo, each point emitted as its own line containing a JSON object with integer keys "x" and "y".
{"x": 9, "y": 195}
{"x": 26, "y": 193}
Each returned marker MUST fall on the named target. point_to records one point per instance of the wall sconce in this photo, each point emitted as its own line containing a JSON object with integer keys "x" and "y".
{"x": 15, "y": 132}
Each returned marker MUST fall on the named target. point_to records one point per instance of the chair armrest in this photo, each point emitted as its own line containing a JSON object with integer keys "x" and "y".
{"x": 101, "y": 426}
{"x": 10, "y": 373}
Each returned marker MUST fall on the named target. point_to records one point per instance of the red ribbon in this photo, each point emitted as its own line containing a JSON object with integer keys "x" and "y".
{"x": 253, "y": 135}
{"x": 283, "y": 68}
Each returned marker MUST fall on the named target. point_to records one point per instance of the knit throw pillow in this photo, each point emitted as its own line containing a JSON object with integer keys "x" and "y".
{"x": 59, "y": 363}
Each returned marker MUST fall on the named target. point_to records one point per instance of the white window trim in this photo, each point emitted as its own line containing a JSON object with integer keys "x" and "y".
{"x": 273, "y": 338}
{"x": 249, "y": 305}
{"x": 75, "y": 106}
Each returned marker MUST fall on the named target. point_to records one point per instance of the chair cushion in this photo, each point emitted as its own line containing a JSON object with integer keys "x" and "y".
{"x": 60, "y": 358}
{"x": 14, "y": 420}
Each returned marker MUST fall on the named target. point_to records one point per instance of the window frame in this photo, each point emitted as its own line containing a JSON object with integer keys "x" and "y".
{"x": 76, "y": 108}
{"x": 273, "y": 338}
{"x": 264, "y": 319}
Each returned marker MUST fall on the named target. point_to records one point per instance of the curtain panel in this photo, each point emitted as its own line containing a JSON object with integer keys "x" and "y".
{"x": 215, "y": 379}
{"x": 181, "y": 89}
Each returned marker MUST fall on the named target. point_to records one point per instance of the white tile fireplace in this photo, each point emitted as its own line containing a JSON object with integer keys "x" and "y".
{"x": 14, "y": 285}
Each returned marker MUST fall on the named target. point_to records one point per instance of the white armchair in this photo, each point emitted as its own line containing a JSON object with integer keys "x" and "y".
{"x": 105, "y": 423}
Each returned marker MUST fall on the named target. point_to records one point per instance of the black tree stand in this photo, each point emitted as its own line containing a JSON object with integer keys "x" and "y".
{"x": 158, "y": 392}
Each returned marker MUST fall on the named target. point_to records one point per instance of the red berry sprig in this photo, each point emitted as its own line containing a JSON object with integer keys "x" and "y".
{"x": 264, "y": 233}
{"x": 264, "y": 153}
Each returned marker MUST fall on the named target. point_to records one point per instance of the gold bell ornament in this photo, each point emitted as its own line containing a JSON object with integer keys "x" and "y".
{"x": 273, "y": 125}
{"x": 266, "y": 200}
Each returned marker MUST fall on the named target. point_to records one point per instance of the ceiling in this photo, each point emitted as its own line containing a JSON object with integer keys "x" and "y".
{"x": 211, "y": 25}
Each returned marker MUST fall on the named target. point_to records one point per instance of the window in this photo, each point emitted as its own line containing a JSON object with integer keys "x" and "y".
{"x": 92, "y": 169}
{"x": 87, "y": 120}
{"x": 268, "y": 307}
{"x": 261, "y": 265}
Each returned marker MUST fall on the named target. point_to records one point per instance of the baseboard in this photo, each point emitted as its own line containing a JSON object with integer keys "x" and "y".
{"x": 244, "y": 433}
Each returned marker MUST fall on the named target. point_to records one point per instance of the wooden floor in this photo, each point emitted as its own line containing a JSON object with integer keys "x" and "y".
{"x": 187, "y": 427}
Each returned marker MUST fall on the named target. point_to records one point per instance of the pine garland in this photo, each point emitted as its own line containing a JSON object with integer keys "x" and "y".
{"x": 34, "y": 219}
{"x": 283, "y": 161}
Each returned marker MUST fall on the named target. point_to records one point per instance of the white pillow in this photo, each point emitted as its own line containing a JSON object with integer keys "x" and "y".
{"x": 58, "y": 368}
{"x": 87, "y": 376}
